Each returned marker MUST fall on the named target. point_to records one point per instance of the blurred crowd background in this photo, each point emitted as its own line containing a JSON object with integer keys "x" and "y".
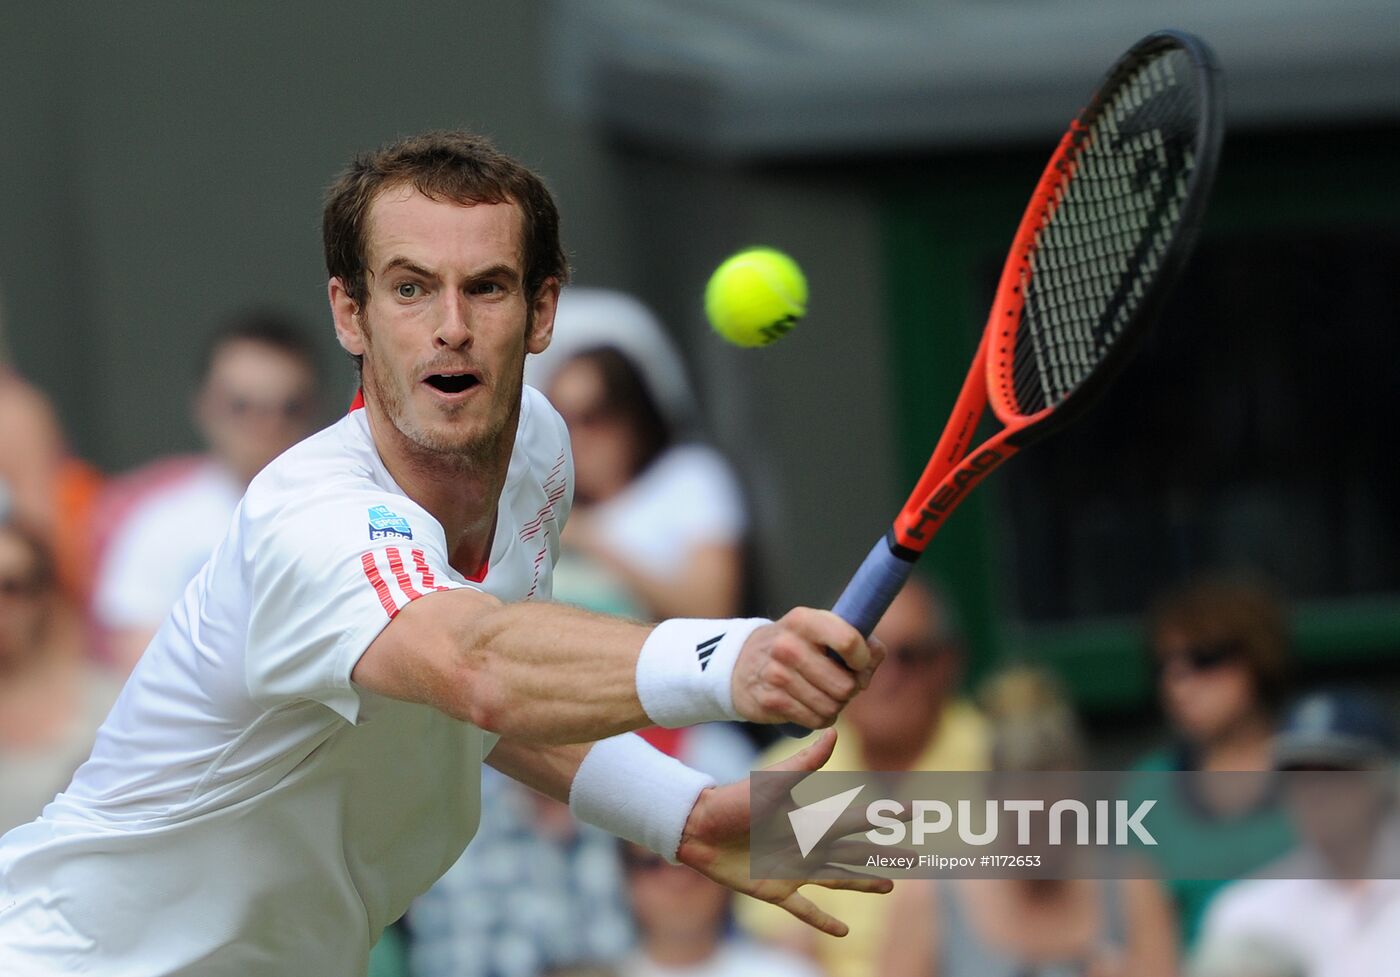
{"x": 1202, "y": 575}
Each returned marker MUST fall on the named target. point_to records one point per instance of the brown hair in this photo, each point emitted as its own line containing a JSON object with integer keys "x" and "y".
{"x": 1244, "y": 615}
{"x": 265, "y": 327}
{"x": 450, "y": 165}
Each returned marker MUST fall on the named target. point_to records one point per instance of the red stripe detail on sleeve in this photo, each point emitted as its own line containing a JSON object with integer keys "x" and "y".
{"x": 377, "y": 582}
{"x": 400, "y": 574}
{"x": 425, "y": 572}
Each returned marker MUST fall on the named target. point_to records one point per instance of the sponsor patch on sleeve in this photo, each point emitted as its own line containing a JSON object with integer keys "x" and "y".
{"x": 384, "y": 522}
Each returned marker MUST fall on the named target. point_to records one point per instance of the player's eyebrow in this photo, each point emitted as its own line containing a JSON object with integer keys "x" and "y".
{"x": 407, "y": 264}
{"x": 503, "y": 271}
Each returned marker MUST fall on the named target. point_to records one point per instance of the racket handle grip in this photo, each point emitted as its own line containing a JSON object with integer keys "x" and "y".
{"x": 879, "y": 579}
{"x": 873, "y": 588}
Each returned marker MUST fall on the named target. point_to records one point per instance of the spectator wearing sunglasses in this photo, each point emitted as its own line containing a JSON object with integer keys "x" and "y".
{"x": 51, "y": 696}
{"x": 1219, "y": 649}
{"x": 257, "y": 397}
{"x": 910, "y": 718}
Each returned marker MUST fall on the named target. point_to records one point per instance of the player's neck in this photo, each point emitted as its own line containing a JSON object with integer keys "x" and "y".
{"x": 463, "y": 495}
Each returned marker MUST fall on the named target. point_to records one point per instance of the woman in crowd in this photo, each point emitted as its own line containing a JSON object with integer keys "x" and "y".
{"x": 659, "y": 518}
{"x": 1220, "y": 651}
{"x": 1018, "y": 927}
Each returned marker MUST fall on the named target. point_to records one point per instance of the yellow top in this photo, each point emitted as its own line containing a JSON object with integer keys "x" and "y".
{"x": 961, "y": 742}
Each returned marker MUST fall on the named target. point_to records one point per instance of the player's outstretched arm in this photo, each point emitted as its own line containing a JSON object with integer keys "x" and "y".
{"x": 641, "y": 795}
{"x": 550, "y": 673}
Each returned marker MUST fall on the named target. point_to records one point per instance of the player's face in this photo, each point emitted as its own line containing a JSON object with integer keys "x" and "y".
{"x": 446, "y": 323}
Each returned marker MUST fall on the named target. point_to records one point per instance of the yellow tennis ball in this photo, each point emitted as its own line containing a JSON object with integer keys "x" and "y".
{"x": 756, "y": 297}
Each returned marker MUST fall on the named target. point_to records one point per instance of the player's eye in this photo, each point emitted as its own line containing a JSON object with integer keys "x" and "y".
{"x": 408, "y": 290}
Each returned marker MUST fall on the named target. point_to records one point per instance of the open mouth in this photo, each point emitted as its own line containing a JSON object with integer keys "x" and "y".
{"x": 451, "y": 383}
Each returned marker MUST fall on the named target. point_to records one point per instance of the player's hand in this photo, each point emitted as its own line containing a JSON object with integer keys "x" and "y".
{"x": 715, "y": 843}
{"x": 784, "y": 673}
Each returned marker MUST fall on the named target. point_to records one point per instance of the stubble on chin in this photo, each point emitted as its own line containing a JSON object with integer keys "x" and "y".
{"x": 446, "y": 446}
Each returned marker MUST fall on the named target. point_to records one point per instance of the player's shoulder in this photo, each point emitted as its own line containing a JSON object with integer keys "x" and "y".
{"x": 341, "y": 455}
{"x": 542, "y": 439}
{"x": 541, "y": 426}
{"x": 331, "y": 483}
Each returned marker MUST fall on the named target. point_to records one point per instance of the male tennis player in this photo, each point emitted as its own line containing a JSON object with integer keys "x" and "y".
{"x": 298, "y": 752}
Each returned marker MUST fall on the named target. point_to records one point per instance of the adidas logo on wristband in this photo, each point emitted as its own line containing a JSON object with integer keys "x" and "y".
{"x": 707, "y": 648}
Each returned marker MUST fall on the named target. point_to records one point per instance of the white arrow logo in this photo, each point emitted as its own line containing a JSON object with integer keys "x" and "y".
{"x": 811, "y": 823}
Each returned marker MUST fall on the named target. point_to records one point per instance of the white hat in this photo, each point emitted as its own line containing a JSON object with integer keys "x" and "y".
{"x": 590, "y": 318}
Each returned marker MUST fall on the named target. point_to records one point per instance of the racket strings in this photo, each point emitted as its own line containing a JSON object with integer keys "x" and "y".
{"x": 1103, "y": 238}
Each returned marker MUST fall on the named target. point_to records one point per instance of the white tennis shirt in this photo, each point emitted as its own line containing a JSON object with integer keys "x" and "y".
{"x": 246, "y": 809}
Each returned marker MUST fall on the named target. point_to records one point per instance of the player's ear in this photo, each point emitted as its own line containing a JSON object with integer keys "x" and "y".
{"x": 346, "y": 313}
{"x": 542, "y": 307}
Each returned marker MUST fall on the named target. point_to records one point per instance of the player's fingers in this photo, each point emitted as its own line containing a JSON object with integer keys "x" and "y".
{"x": 877, "y": 658}
{"x": 828, "y": 674}
{"x": 808, "y": 911}
{"x": 795, "y": 684}
{"x": 778, "y": 705}
{"x": 825, "y": 630}
{"x": 857, "y": 853}
{"x": 793, "y": 653}
{"x": 856, "y": 882}
{"x": 811, "y": 756}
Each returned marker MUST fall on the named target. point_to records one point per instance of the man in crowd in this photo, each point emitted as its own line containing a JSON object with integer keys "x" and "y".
{"x": 909, "y": 719}
{"x": 1335, "y": 902}
{"x": 257, "y": 397}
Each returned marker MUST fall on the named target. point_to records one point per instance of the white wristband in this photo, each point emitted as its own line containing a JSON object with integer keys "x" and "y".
{"x": 684, "y": 671}
{"x": 629, "y": 788}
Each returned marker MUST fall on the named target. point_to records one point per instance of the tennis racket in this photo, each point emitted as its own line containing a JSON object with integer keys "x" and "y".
{"x": 1108, "y": 228}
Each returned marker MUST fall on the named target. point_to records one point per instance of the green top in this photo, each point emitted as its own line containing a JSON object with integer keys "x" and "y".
{"x": 1199, "y": 851}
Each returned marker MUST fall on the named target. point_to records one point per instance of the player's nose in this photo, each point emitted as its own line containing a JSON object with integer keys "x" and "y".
{"x": 453, "y": 328}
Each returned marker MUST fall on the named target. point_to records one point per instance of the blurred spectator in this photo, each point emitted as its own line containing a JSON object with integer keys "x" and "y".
{"x": 1030, "y": 927}
{"x": 682, "y": 924}
{"x": 537, "y": 891}
{"x": 908, "y": 719}
{"x": 1319, "y": 902}
{"x": 1220, "y": 651}
{"x": 1246, "y": 956}
{"x": 51, "y": 697}
{"x": 257, "y": 397}
{"x": 659, "y": 522}
{"x": 43, "y": 485}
